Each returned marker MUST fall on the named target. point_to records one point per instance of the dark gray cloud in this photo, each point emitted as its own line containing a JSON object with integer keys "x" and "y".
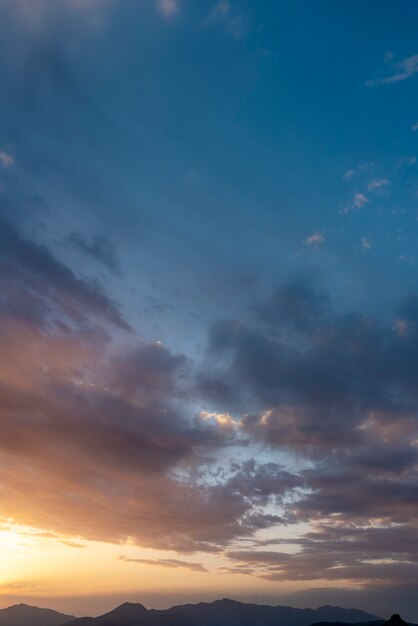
{"x": 102, "y": 441}
{"x": 37, "y": 285}
{"x": 111, "y": 436}
{"x": 296, "y": 304}
{"x": 323, "y": 386}
{"x": 99, "y": 248}
{"x": 336, "y": 390}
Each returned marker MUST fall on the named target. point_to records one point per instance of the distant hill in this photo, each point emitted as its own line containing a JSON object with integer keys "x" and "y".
{"x": 224, "y": 613}
{"x": 378, "y": 622}
{"x": 127, "y": 614}
{"x": 395, "y": 620}
{"x": 25, "y": 615}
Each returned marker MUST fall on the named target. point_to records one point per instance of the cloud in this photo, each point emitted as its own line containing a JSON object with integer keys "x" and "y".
{"x": 379, "y": 555}
{"x": 234, "y": 23}
{"x": 406, "y": 161}
{"x": 170, "y": 563}
{"x": 378, "y": 183}
{"x": 401, "y": 71}
{"x": 315, "y": 239}
{"x": 360, "y": 200}
{"x": 100, "y": 440}
{"x": 168, "y": 8}
{"x": 36, "y": 285}
{"x": 337, "y": 390}
{"x": 366, "y": 244}
{"x": 414, "y": 127}
{"x": 349, "y": 174}
{"x": 222, "y": 419}
{"x": 73, "y": 544}
{"x": 6, "y": 159}
{"x": 104, "y": 441}
{"x": 296, "y": 304}
{"x": 99, "y": 248}
{"x": 311, "y": 392}
{"x": 220, "y": 10}
{"x": 360, "y": 169}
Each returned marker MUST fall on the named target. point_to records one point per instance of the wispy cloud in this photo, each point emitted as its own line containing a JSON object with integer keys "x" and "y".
{"x": 400, "y": 71}
{"x": 414, "y": 127}
{"x": 360, "y": 169}
{"x": 73, "y": 544}
{"x": 171, "y": 563}
{"x": 99, "y": 248}
{"x": 315, "y": 239}
{"x": 233, "y": 22}
{"x": 220, "y": 10}
{"x": 6, "y": 159}
{"x": 378, "y": 183}
{"x": 406, "y": 161}
{"x": 366, "y": 244}
{"x": 168, "y": 8}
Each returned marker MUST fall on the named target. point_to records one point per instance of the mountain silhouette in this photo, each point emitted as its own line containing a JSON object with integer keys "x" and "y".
{"x": 225, "y": 613}
{"x": 25, "y": 615}
{"x": 395, "y": 620}
{"x": 127, "y": 614}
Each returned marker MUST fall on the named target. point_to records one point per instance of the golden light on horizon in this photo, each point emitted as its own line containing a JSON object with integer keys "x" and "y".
{"x": 38, "y": 563}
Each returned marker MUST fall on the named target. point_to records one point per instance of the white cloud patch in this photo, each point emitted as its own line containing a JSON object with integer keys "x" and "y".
{"x": 400, "y": 71}
{"x": 366, "y": 244}
{"x": 6, "y": 159}
{"x": 360, "y": 169}
{"x": 406, "y": 161}
{"x": 414, "y": 127}
{"x": 349, "y": 174}
{"x": 360, "y": 200}
{"x": 378, "y": 183}
{"x": 315, "y": 239}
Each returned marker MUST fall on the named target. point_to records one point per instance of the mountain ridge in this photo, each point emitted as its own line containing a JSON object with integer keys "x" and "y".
{"x": 224, "y": 612}
{"x": 221, "y": 612}
{"x": 26, "y": 615}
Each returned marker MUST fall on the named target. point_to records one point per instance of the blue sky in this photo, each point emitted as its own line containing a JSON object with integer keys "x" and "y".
{"x": 212, "y": 142}
{"x": 238, "y": 181}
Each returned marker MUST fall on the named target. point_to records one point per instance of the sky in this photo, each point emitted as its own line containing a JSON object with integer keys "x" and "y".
{"x": 209, "y": 303}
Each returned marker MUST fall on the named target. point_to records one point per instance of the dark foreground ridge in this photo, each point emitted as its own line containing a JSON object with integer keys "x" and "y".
{"x": 395, "y": 620}
{"x": 219, "y": 613}
{"x": 224, "y": 613}
{"x": 25, "y": 615}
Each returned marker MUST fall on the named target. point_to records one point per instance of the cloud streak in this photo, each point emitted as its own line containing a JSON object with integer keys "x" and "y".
{"x": 403, "y": 70}
{"x": 99, "y": 248}
{"x": 170, "y": 563}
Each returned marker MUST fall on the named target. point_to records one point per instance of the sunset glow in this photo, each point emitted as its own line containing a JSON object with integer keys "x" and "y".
{"x": 208, "y": 305}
